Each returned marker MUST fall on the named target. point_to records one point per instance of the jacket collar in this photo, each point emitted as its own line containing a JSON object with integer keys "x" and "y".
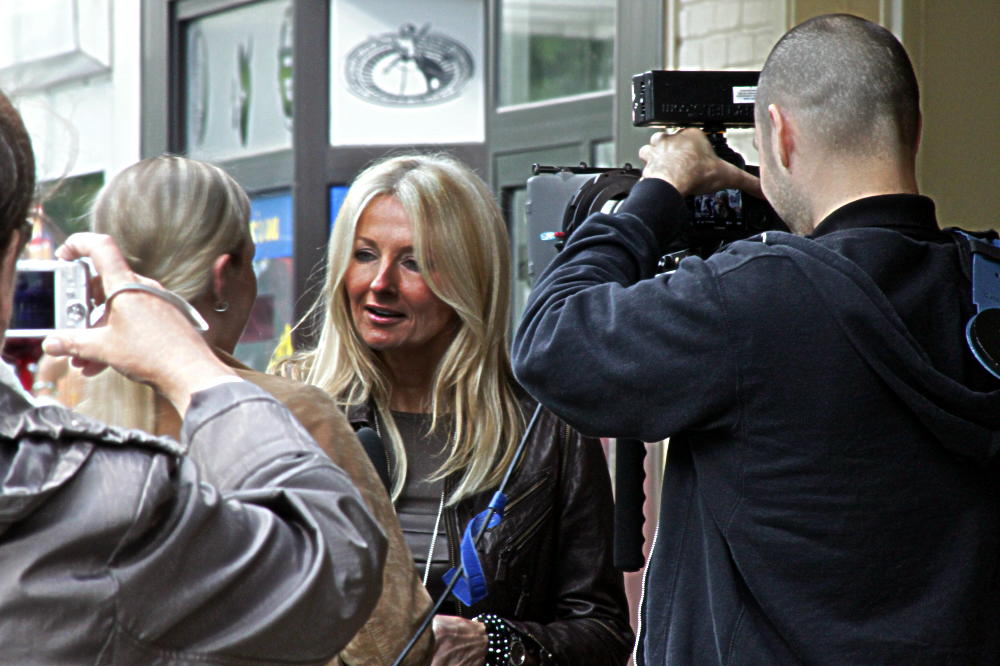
{"x": 912, "y": 213}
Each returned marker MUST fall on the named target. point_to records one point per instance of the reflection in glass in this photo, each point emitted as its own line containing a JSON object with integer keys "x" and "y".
{"x": 603, "y": 154}
{"x": 237, "y": 81}
{"x": 273, "y": 313}
{"x": 555, "y": 48}
{"x": 515, "y": 199}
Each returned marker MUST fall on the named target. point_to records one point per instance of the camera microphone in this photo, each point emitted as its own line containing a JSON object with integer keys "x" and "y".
{"x": 375, "y": 449}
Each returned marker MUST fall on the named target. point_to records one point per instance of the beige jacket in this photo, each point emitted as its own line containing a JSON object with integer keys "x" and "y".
{"x": 404, "y": 600}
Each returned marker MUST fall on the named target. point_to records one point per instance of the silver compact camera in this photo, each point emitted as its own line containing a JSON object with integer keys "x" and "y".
{"x": 48, "y": 296}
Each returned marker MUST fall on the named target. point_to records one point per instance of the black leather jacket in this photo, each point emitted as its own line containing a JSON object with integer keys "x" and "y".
{"x": 548, "y": 565}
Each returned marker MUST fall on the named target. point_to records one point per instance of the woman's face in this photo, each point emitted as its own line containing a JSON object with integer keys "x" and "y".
{"x": 392, "y": 307}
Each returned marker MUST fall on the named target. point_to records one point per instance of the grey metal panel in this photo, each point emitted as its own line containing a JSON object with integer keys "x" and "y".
{"x": 640, "y": 41}
{"x": 310, "y": 143}
{"x": 583, "y": 119}
{"x": 189, "y": 9}
{"x": 344, "y": 162}
{"x": 155, "y": 76}
{"x": 512, "y": 169}
{"x": 262, "y": 172}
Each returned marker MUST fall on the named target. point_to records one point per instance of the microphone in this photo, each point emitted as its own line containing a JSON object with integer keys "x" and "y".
{"x": 373, "y": 446}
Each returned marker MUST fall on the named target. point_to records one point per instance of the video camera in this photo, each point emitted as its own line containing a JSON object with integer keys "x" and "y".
{"x": 713, "y": 101}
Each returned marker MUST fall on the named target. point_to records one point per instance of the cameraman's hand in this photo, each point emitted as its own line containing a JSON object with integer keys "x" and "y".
{"x": 687, "y": 161}
{"x": 141, "y": 336}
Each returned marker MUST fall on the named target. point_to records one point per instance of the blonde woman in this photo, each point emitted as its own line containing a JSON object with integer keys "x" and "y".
{"x": 413, "y": 322}
{"x": 185, "y": 224}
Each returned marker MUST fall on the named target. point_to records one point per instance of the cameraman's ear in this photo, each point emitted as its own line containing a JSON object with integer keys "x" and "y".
{"x": 781, "y": 135}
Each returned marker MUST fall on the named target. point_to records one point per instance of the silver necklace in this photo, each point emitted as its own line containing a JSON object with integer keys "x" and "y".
{"x": 437, "y": 519}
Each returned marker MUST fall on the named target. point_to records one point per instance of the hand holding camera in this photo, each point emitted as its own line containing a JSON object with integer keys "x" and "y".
{"x": 141, "y": 335}
{"x": 686, "y": 160}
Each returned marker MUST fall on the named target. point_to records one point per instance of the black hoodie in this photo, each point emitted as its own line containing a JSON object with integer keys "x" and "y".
{"x": 829, "y": 493}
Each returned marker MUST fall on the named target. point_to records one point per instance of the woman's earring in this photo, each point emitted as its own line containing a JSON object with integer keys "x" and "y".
{"x": 221, "y": 306}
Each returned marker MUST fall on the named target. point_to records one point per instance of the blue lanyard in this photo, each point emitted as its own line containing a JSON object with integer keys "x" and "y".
{"x": 471, "y": 588}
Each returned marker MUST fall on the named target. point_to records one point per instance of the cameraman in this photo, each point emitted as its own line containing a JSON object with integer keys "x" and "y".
{"x": 241, "y": 544}
{"x": 830, "y": 493}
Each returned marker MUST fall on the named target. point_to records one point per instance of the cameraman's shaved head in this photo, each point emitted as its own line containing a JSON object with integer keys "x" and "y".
{"x": 849, "y": 83}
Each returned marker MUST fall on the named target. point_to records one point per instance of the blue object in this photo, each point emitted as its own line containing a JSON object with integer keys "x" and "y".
{"x": 982, "y": 333}
{"x": 471, "y": 587}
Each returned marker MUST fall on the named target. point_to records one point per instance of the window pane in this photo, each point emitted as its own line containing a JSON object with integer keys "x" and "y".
{"x": 269, "y": 327}
{"x": 555, "y": 48}
{"x": 238, "y": 81}
{"x": 515, "y": 199}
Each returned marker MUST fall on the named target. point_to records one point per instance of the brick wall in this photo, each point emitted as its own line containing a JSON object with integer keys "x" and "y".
{"x": 727, "y": 34}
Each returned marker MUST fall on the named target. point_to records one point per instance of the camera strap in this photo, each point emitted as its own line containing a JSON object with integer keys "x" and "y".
{"x": 982, "y": 332}
{"x": 192, "y": 315}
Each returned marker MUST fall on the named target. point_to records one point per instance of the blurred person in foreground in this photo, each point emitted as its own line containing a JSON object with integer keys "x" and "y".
{"x": 193, "y": 237}
{"x": 830, "y": 495}
{"x": 242, "y": 543}
{"x": 413, "y": 341}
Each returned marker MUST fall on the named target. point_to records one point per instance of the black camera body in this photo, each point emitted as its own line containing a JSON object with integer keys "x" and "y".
{"x": 713, "y": 101}
{"x": 717, "y": 100}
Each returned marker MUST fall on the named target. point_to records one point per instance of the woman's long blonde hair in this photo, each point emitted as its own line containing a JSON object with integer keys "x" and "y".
{"x": 460, "y": 236}
{"x": 171, "y": 217}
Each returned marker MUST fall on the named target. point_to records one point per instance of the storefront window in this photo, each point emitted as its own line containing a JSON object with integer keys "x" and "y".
{"x": 238, "y": 81}
{"x": 555, "y": 48}
{"x": 272, "y": 317}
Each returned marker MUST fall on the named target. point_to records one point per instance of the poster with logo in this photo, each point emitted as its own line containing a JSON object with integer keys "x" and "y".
{"x": 405, "y": 72}
{"x": 272, "y": 316}
{"x": 238, "y": 81}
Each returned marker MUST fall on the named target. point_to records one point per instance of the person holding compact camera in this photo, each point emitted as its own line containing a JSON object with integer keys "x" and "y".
{"x": 413, "y": 326}
{"x": 241, "y": 543}
{"x": 830, "y": 493}
{"x": 208, "y": 261}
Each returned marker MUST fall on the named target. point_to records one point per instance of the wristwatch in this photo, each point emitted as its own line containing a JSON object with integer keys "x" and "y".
{"x": 518, "y": 653}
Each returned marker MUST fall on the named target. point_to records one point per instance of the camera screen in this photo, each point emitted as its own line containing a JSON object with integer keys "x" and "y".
{"x": 723, "y": 206}
{"x": 34, "y": 301}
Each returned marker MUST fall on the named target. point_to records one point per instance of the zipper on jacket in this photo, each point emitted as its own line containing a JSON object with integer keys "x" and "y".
{"x": 642, "y": 599}
{"x": 516, "y": 545}
{"x": 529, "y": 531}
{"x": 527, "y": 493}
{"x": 385, "y": 449}
{"x": 453, "y": 533}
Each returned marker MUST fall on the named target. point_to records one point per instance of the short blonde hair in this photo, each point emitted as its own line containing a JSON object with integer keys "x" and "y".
{"x": 461, "y": 239}
{"x": 171, "y": 216}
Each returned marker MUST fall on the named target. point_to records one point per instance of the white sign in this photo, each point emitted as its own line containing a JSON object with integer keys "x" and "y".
{"x": 405, "y": 72}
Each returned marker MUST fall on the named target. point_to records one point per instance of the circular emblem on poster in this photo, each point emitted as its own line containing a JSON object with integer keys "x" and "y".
{"x": 409, "y": 67}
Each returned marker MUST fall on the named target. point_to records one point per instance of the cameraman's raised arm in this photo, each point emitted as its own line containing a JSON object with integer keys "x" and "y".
{"x": 603, "y": 340}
